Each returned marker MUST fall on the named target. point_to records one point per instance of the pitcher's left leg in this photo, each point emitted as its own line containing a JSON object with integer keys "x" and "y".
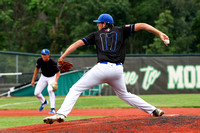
{"x": 121, "y": 91}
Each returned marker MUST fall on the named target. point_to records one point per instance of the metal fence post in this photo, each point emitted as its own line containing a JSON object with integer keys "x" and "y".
{"x": 17, "y": 77}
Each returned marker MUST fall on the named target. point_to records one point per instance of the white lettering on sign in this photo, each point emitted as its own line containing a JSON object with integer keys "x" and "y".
{"x": 130, "y": 77}
{"x": 175, "y": 77}
{"x": 183, "y": 77}
{"x": 198, "y": 76}
{"x": 150, "y": 76}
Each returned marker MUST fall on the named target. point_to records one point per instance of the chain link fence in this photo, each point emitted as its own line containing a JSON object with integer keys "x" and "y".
{"x": 17, "y": 68}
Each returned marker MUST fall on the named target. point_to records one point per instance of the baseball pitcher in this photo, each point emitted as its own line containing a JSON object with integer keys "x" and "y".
{"x": 109, "y": 41}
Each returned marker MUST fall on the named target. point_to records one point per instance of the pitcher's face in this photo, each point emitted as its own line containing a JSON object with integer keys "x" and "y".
{"x": 101, "y": 25}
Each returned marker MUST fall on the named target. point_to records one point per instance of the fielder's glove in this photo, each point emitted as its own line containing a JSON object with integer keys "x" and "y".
{"x": 54, "y": 85}
{"x": 64, "y": 65}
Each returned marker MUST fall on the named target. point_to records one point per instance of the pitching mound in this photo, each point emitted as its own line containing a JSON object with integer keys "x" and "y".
{"x": 132, "y": 123}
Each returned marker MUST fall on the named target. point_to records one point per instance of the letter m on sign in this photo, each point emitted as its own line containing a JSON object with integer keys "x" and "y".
{"x": 175, "y": 77}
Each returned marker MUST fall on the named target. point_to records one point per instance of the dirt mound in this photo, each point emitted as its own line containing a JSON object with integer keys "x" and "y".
{"x": 132, "y": 123}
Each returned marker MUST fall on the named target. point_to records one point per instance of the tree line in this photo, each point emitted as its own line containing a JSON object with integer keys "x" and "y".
{"x": 31, "y": 25}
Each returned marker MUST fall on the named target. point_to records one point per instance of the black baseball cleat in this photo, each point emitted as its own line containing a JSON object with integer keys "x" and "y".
{"x": 158, "y": 112}
{"x": 55, "y": 118}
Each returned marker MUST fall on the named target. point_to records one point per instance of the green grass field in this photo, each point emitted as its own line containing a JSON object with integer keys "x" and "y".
{"x": 17, "y": 103}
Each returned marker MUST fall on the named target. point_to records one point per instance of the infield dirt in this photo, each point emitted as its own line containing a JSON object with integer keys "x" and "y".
{"x": 114, "y": 120}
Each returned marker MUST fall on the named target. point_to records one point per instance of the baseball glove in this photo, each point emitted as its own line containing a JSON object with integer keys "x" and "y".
{"x": 54, "y": 86}
{"x": 64, "y": 65}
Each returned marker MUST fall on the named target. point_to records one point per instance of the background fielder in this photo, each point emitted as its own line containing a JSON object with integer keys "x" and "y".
{"x": 109, "y": 41}
{"x": 50, "y": 74}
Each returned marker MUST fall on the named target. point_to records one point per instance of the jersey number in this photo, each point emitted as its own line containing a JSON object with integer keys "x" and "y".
{"x": 109, "y": 41}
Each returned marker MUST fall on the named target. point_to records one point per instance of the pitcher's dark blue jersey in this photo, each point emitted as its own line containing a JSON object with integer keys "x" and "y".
{"x": 110, "y": 43}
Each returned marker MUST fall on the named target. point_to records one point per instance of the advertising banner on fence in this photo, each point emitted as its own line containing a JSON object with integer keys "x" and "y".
{"x": 161, "y": 75}
{"x": 144, "y": 74}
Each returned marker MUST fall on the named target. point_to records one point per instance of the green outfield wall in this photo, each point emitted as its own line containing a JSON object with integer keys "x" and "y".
{"x": 65, "y": 82}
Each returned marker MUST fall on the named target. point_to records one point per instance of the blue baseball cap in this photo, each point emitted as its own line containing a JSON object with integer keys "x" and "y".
{"x": 45, "y": 51}
{"x": 107, "y": 18}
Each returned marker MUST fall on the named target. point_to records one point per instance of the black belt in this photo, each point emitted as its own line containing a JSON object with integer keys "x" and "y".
{"x": 105, "y": 62}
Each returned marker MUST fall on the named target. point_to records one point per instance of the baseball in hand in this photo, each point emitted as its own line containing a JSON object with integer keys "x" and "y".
{"x": 166, "y": 41}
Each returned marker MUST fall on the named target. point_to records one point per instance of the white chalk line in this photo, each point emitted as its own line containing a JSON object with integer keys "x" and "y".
{"x": 11, "y": 104}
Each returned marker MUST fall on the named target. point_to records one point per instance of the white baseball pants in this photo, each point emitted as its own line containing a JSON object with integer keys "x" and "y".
{"x": 42, "y": 83}
{"x": 104, "y": 73}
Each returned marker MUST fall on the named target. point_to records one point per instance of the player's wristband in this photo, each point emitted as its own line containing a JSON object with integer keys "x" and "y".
{"x": 61, "y": 59}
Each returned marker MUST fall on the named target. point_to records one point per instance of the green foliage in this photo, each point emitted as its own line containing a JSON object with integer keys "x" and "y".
{"x": 196, "y": 30}
{"x": 31, "y": 25}
{"x": 81, "y": 24}
{"x": 145, "y": 11}
{"x": 5, "y": 16}
{"x": 164, "y": 23}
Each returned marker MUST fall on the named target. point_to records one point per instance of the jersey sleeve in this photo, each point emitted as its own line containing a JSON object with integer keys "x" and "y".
{"x": 128, "y": 29}
{"x": 56, "y": 66}
{"x": 89, "y": 40}
{"x": 38, "y": 64}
